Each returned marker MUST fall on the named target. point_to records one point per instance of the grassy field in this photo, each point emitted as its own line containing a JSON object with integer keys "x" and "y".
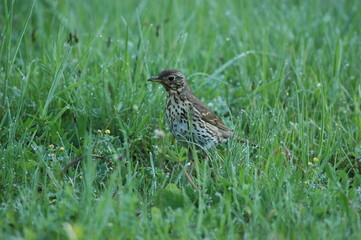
{"x": 283, "y": 74}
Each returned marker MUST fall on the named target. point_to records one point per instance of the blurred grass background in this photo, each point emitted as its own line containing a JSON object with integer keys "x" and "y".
{"x": 284, "y": 74}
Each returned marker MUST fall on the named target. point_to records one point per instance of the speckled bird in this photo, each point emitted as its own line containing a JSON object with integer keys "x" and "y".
{"x": 188, "y": 118}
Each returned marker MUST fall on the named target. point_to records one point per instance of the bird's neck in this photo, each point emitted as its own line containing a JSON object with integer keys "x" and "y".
{"x": 184, "y": 90}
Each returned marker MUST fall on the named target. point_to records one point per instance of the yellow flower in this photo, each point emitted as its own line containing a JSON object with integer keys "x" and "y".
{"x": 107, "y": 131}
{"x": 99, "y": 131}
{"x": 315, "y": 159}
{"x": 51, "y": 146}
{"x": 309, "y": 164}
{"x": 305, "y": 182}
{"x": 53, "y": 155}
{"x": 61, "y": 149}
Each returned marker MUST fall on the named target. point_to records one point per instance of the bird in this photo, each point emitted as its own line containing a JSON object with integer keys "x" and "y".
{"x": 189, "y": 120}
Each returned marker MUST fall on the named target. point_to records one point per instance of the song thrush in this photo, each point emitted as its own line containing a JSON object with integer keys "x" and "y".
{"x": 188, "y": 118}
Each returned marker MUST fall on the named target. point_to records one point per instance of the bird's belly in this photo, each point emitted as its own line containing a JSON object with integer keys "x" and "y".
{"x": 179, "y": 128}
{"x": 188, "y": 126}
{"x": 190, "y": 131}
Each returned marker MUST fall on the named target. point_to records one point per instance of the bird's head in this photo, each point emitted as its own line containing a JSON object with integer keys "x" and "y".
{"x": 171, "y": 79}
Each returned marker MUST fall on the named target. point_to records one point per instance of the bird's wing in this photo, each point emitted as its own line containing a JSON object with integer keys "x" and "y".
{"x": 207, "y": 115}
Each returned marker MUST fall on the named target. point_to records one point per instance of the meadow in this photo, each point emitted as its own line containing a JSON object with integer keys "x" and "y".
{"x": 85, "y": 151}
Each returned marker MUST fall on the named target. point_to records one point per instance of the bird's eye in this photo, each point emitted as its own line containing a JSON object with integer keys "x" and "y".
{"x": 171, "y": 78}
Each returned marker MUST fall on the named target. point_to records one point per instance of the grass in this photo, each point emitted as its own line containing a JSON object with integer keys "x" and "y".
{"x": 284, "y": 74}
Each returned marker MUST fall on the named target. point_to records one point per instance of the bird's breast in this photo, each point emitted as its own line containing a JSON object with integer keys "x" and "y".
{"x": 186, "y": 124}
{"x": 177, "y": 116}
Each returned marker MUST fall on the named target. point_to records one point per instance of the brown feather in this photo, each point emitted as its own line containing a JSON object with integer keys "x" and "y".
{"x": 207, "y": 115}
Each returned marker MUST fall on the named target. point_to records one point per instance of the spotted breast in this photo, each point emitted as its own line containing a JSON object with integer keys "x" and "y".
{"x": 186, "y": 124}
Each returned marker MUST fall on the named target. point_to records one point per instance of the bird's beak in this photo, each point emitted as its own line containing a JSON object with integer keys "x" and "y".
{"x": 154, "y": 79}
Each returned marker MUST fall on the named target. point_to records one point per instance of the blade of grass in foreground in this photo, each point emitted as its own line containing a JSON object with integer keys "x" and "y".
{"x": 57, "y": 77}
{"x": 10, "y": 64}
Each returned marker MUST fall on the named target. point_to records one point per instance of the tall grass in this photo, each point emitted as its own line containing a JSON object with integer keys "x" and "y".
{"x": 283, "y": 74}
